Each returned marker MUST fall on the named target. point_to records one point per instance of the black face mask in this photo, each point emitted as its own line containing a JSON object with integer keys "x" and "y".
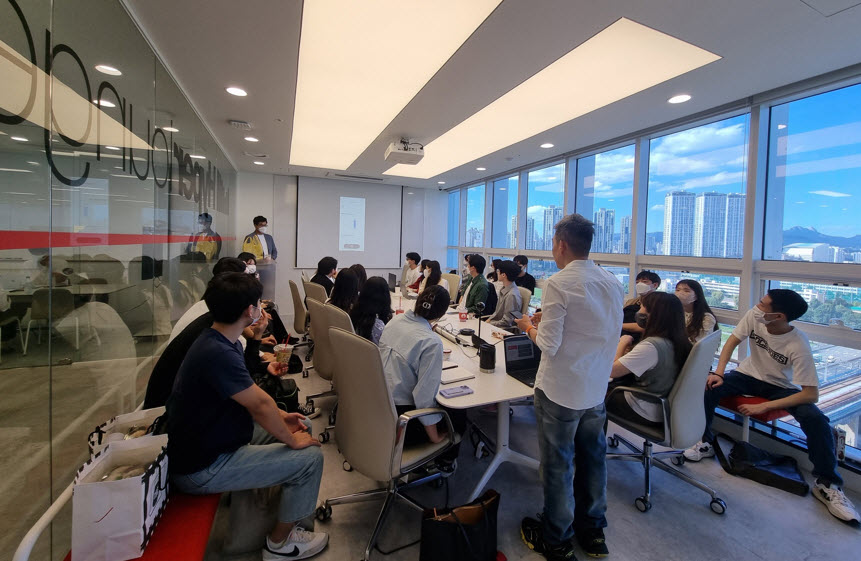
{"x": 641, "y": 319}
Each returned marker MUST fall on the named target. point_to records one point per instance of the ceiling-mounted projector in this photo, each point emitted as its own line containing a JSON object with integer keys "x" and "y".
{"x": 405, "y": 152}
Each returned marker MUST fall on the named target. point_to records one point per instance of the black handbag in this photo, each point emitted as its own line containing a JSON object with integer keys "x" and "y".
{"x": 774, "y": 470}
{"x": 463, "y": 533}
{"x": 284, "y": 391}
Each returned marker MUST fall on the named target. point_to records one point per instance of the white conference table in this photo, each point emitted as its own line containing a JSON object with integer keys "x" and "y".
{"x": 488, "y": 388}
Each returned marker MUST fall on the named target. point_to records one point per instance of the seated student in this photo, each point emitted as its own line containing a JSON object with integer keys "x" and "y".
{"x": 250, "y": 263}
{"x": 413, "y": 273}
{"x": 226, "y": 434}
{"x": 373, "y": 310}
{"x": 345, "y": 291}
{"x": 654, "y": 363}
{"x": 327, "y": 268}
{"x": 699, "y": 319}
{"x": 780, "y": 362}
{"x": 510, "y": 303}
{"x": 524, "y": 279}
{"x": 432, "y": 276}
{"x": 414, "y": 287}
{"x": 646, "y": 282}
{"x": 361, "y": 274}
{"x": 475, "y": 291}
{"x": 412, "y": 361}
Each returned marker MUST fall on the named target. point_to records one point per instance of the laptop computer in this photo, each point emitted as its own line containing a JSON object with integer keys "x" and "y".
{"x": 393, "y": 282}
{"x": 521, "y": 358}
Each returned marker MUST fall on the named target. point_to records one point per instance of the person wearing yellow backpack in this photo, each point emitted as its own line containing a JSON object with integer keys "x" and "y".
{"x": 206, "y": 240}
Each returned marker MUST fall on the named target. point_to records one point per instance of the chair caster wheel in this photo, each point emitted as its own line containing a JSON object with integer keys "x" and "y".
{"x": 324, "y": 437}
{"x": 347, "y": 467}
{"x": 304, "y": 373}
{"x": 678, "y": 460}
{"x": 323, "y": 513}
{"x": 332, "y": 419}
{"x": 718, "y": 506}
{"x": 613, "y": 442}
{"x": 642, "y": 504}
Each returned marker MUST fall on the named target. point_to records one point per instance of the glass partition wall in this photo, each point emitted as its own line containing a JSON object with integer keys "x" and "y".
{"x": 759, "y": 198}
{"x": 104, "y": 171}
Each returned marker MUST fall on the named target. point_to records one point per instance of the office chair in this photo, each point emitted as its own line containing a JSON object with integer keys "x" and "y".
{"x": 324, "y": 362}
{"x": 304, "y": 276}
{"x": 525, "y": 295}
{"x": 49, "y": 305}
{"x": 453, "y": 285}
{"x": 314, "y": 291}
{"x": 335, "y": 317}
{"x": 300, "y": 324}
{"x": 379, "y": 454}
{"x": 684, "y": 422}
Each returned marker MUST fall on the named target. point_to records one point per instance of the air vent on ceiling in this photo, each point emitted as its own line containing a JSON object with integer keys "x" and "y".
{"x": 241, "y": 125}
{"x": 354, "y": 177}
{"x": 255, "y": 155}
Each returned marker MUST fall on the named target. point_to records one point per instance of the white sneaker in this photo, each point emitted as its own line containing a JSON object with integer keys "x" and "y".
{"x": 699, "y": 451}
{"x": 300, "y": 544}
{"x": 838, "y": 505}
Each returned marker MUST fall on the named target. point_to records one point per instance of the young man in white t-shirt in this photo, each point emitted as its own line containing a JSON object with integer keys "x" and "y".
{"x": 780, "y": 362}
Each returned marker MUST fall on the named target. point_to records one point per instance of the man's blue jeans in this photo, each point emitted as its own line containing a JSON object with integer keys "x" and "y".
{"x": 814, "y": 424}
{"x": 263, "y": 463}
{"x": 573, "y": 468}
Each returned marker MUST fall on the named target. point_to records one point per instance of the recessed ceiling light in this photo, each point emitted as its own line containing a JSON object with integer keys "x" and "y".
{"x": 681, "y": 98}
{"x": 198, "y": 157}
{"x": 622, "y": 60}
{"x": 233, "y": 90}
{"x": 104, "y": 103}
{"x": 440, "y": 182}
{"x": 781, "y": 127}
{"x": 353, "y": 94}
{"x": 33, "y": 163}
{"x": 252, "y": 139}
{"x": 170, "y": 129}
{"x": 480, "y": 169}
{"x": 110, "y": 70}
{"x": 547, "y": 145}
{"x": 19, "y": 139}
{"x": 111, "y": 148}
{"x": 258, "y": 163}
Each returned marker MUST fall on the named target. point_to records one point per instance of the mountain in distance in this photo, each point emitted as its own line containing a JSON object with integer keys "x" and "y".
{"x": 800, "y": 234}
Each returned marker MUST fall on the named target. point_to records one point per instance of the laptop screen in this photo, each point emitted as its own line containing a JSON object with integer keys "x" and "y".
{"x": 392, "y": 282}
{"x": 520, "y": 353}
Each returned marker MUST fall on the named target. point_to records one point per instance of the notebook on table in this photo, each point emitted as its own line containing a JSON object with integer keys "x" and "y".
{"x": 522, "y": 357}
{"x": 452, "y": 373}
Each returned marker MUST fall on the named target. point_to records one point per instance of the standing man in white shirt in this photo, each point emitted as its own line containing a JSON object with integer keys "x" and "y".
{"x": 577, "y": 332}
{"x": 780, "y": 362}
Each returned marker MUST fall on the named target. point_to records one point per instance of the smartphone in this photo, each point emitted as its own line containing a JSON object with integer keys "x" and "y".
{"x": 455, "y": 392}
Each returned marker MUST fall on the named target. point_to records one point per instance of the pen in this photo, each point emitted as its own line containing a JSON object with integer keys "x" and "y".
{"x": 450, "y": 367}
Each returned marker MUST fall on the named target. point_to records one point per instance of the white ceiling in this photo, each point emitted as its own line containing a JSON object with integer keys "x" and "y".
{"x": 765, "y": 44}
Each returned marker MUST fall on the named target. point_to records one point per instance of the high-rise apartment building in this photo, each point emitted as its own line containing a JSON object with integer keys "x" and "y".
{"x": 709, "y": 224}
{"x": 625, "y": 239}
{"x": 679, "y": 223}
{"x": 530, "y": 233}
{"x": 605, "y": 223}
{"x": 734, "y": 226}
{"x": 512, "y": 232}
{"x": 552, "y": 215}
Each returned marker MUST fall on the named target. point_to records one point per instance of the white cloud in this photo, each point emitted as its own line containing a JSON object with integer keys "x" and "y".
{"x": 657, "y": 207}
{"x": 720, "y": 178}
{"x": 536, "y": 209}
{"x": 826, "y": 193}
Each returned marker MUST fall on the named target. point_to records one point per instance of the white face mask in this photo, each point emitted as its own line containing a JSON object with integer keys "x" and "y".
{"x": 426, "y": 273}
{"x": 251, "y": 269}
{"x": 686, "y": 298}
{"x": 643, "y": 288}
{"x": 262, "y": 230}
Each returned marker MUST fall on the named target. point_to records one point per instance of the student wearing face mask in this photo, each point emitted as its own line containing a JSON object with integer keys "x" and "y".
{"x": 432, "y": 276}
{"x": 250, "y": 263}
{"x": 413, "y": 271}
{"x": 646, "y": 282}
{"x": 780, "y": 368}
{"x": 259, "y": 243}
{"x": 206, "y": 240}
{"x": 414, "y": 286}
{"x": 699, "y": 319}
{"x": 524, "y": 279}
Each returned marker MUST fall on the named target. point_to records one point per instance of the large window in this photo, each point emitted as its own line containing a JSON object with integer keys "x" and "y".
{"x": 475, "y": 216}
{"x": 696, "y": 191}
{"x": 721, "y": 291}
{"x": 828, "y": 303}
{"x": 505, "y": 213}
{"x": 622, "y": 274}
{"x": 605, "y": 194}
{"x": 814, "y": 179}
{"x": 453, "y": 217}
{"x": 545, "y": 199}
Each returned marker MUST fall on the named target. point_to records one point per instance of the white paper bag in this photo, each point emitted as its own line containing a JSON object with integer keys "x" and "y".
{"x": 114, "y": 430}
{"x": 114, "y": 520}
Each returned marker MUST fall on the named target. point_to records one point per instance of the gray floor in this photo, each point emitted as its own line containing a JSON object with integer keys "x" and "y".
{"x": 761, "y": 523}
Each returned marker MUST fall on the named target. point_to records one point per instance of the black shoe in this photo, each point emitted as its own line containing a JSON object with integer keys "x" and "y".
{"x": 531, "y": 533}
{"x": 592, "y": 542}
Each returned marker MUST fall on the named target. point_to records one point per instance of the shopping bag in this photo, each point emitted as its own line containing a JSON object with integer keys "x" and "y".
{"x": 774, "y": 470}
{"x": 114, "y": 520}
{"x": 463, "y": 533}
{"x": 116, "y": 428}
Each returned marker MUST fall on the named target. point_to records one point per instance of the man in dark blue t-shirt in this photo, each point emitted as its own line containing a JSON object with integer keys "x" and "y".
{"x": 226, "y": 434}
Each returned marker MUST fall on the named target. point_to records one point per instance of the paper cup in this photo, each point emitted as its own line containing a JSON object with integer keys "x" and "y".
{"x": 283, "y": 352}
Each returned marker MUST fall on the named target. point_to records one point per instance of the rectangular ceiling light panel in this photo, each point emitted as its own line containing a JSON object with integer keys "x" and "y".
{"x": 623, "y": 59}
{"x": 360, "y": 63}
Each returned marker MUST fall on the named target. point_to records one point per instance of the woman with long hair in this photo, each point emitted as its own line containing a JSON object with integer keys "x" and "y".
{"x": 418, "y": 282}
{"x": 432, "y": 276}
{"x": 372, "y": 310}
{"x": 654, "y": 363}
{"x": 699, "y": 318}
{"x": 346, "y": 290}
{"x": 361, "y": 274}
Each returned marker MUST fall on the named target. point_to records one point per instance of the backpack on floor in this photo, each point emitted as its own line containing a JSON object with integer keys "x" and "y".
{"x": 774, "y": 470}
